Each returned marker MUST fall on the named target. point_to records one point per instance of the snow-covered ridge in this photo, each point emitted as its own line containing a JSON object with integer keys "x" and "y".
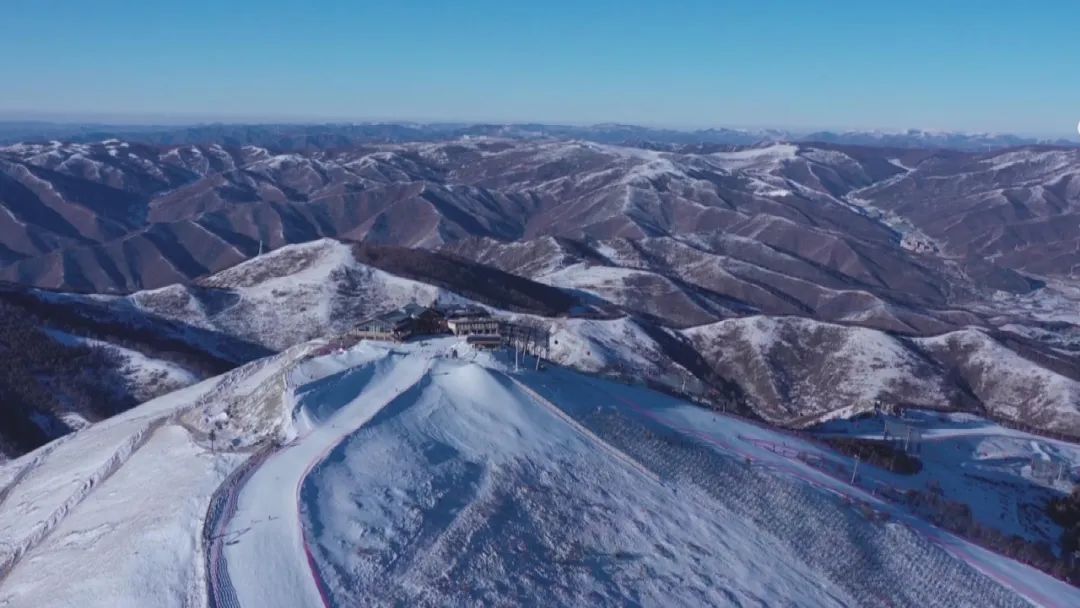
{"x": 444, "y": 468}
{"x": 1004, "y": 380}
{"x": 820, "y": 367}
{"x": 799, "y": 371}
{"x": 145, "y": 375}
{"x": 292, "y": 294}
{"x": 759, "y": 159}
{"x": 791, "y": 368}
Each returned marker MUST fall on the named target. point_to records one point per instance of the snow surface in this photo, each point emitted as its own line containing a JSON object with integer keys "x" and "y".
{"x": 1006, "y": 379}
{"x": 977, "y": 462}
{"x": 264, "y": 530}
{"x": 468, "y": 490}
{"x": 146, "y": 376}
{"x": 293, "y": 294}
{"x": 403, "y": 475}
{"x": 151, "y": 553}
{"x": 607, "y": 345}
{"x": 761, "y": 159}
{"x": 107, "y": 506}
{"x": 478, "y": 487}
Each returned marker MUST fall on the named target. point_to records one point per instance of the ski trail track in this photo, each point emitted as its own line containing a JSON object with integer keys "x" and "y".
{"x": 40, "y": 531}
{"x": 265, "y": 524}
{"x": 38, "y": 458}
{"x": 585, "y": 432}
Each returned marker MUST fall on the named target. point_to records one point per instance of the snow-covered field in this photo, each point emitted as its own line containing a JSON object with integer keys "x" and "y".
{"x": 402, "y": 475}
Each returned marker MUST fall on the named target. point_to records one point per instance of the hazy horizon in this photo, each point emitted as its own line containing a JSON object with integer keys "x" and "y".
{"x": 963, "y": 67}
{"x": 181, "y": 121}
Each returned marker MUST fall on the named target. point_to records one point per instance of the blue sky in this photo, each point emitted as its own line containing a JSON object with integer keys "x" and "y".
{"x": 997, "y": 66}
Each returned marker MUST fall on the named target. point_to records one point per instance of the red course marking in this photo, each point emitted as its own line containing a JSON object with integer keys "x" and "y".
{"x": 324, "y": 593}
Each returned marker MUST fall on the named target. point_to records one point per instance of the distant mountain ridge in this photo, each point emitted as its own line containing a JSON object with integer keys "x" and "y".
{"x": 117, "y": 216}
{"x": 305, "y": 137}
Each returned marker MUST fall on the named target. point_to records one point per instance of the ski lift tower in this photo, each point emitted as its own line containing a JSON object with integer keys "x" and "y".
{"x": 902, "y": 433}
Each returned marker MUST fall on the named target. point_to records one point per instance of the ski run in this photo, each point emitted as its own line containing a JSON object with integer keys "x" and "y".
{"x": 430, "y": 474}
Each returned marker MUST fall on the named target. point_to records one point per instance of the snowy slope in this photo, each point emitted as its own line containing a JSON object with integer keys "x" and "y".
{"x": 467, "y": 489}
{"x": 119, "y": 505}
{"x": 598, "y": 345}
{"x": 979, "y": 463}
{"x": 400, "y": 474}
{"x": 1010, "y": 385}
{"x": 145, "y": 376}
{"x": 290, "y": 295}
{"x": 477, "y": 486}
{"x": 638, "y": 291}
{"x": 267, "y": 509}
{"x": 789, "y": 370}
{"x": 793, "y": 367}
{"x": 96, "y": 507}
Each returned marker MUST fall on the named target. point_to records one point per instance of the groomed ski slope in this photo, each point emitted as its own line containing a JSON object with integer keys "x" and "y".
{"x": 266, "y": 553}
{"x": 109, "y": 516}
{"x": 426, "y": 480}
{"x": 403, "y": 476}
{"x": 468, "y": 490}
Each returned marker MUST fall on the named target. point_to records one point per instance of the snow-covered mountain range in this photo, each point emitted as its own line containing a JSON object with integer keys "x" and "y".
{"x": 925, "y": 224}
{"x": 649, "y": 326}
{"x": 308, "y": 136}
{"x": 722, "y": 314}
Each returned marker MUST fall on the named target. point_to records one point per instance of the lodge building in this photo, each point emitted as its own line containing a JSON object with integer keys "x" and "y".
{"x": 481, "y": 329}
{"x": 402, "y": 324}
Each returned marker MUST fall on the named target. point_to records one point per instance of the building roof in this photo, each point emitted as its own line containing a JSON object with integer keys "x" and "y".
{"x": 412, "y": 309}
{"x": 481, "y": 338}
{"x": 401, "y": 316}
{"x": 467, "y": 311}
{"x": 476, "y": 320}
